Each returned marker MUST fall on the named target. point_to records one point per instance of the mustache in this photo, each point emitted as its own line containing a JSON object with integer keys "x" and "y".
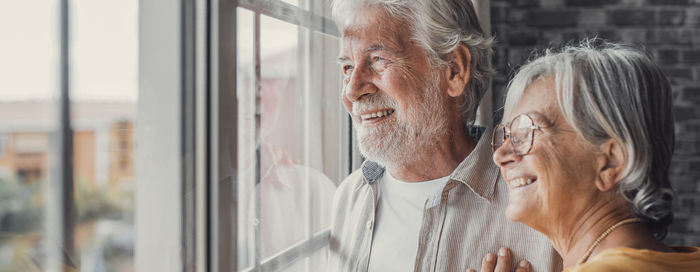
{"x": 372, "y": 103}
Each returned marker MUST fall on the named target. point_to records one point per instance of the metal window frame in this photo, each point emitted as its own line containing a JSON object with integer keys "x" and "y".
{"x": 222, "y": 207}
{"x": 198, "y": 143}
{"x": 60, "y": 251}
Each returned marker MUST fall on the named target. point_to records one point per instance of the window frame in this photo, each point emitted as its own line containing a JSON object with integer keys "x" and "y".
{"x": 59, "y": 205}
{"x": 224, "y": 222}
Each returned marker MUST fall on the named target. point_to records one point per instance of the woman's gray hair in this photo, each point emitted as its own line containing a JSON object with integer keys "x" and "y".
{"x": 611, "y": 91}
{"x": 438, "y": 26}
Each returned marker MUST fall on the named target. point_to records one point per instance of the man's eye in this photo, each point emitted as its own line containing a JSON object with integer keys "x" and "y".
{"x": 379, "y": 64}
{"x": 347, "y": 69}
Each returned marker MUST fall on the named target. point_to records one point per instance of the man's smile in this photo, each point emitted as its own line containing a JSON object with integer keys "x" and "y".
{"x": 375, "y": 116}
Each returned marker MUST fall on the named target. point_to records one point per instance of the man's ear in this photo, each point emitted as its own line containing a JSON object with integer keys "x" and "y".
{"x": 458, "y": 71}
{"x": 612, "y": 162}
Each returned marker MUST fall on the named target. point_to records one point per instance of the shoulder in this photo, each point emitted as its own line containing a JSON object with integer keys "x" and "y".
{"x": 349, "y": 190}
{"x": 628, "y": 259}
{"x": 607, "y": 261}
{"x": 350, "y": 184}
{"x": 352, "y": 204}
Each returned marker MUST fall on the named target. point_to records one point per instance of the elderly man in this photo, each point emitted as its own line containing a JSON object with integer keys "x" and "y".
{"x": 428, "y": 197}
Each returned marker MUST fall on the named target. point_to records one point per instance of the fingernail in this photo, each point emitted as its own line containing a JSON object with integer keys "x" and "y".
{"x": 523, "y": 264}
{"x": 502, "y": 252}
{"x": 489, "y": 257}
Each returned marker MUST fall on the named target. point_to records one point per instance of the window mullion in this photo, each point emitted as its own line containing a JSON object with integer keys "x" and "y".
{"x": 257, "y": 252}
{"x": 223, "y": 144}
{"x": 288, "y": 257}
{"x": 305, "y": 85}
{"x": 59, "y": 204}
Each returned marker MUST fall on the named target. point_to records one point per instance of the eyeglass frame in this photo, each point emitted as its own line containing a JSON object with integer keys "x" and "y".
{"x": 506, "y": 134}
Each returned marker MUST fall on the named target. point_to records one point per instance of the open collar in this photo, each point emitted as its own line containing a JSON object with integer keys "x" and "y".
{"x": 476, "y": 171}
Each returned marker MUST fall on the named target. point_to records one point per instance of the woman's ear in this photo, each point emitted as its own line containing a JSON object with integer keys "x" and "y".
{"x": 612, "y": 162}
{"x": 458, "y": 71}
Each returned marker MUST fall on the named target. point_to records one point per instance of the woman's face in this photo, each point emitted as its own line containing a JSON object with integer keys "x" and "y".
{"x": 560, "y": 167}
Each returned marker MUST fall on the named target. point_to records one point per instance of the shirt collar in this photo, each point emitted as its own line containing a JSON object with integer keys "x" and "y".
{"x": 479, "y": 158}
{"x": 477, "y": 170}
{"x": 372, "y": 171}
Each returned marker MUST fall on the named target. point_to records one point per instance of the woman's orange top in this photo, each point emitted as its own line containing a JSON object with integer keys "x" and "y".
{"x": 684, "y": 259}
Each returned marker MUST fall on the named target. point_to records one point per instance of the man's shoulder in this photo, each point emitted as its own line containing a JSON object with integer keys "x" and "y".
{"x": 349, "y": 186}
{"x": 353, "y": 180}
{"x": 350, "y": 204}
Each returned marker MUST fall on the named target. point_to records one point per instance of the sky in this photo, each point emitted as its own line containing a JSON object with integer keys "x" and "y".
{"x": 104, "y": 48}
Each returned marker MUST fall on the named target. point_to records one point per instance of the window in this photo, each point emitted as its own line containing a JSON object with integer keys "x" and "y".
{"x": 291, "y": 130}
{"x": 64, "y": 202}
{"x": 196, "y": 135}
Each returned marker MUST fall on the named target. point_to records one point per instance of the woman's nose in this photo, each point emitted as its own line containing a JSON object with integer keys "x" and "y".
{"x": 505, "y": 154}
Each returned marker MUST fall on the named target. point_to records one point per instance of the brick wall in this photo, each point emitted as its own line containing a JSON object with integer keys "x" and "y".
{"x": 669, "y": 29}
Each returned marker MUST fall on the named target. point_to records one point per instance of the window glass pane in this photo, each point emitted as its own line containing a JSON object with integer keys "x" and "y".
{"x": 29, "y": 54}
{"x": 324, "y": 121}
{"x": 283, "y": 178}
{"x": 104, "y": 93}
{"x": 289, "y": 138}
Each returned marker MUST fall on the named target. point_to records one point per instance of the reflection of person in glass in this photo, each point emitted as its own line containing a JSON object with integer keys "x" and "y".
{"x": 586, "y": 150}
{"x": 288, "y": 189}
{"x": 428, "y": 196}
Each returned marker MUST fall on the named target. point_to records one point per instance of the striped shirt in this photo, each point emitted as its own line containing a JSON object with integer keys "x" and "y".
{"x": 461, "y": 224}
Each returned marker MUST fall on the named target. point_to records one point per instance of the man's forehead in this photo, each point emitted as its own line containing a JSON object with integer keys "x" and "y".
{"x": 381, "y": 35}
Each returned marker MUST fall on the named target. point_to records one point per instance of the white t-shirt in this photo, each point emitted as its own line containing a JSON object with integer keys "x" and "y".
{"x": 398, "y": 222}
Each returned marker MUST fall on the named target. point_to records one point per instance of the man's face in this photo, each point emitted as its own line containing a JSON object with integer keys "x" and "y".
{"x": 389, "y": 88}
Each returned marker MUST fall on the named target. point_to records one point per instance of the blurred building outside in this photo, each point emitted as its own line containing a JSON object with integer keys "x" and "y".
{"x": 104, "y": 181}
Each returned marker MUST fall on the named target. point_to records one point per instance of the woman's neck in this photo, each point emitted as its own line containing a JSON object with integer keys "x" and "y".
{"x": 575, "y": 238}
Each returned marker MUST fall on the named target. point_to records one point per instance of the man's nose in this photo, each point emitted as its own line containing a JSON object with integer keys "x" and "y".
{"x": 360, "y": 84}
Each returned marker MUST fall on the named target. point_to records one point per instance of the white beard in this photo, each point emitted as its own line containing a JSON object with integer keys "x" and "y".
{"x": 414, "y": 129}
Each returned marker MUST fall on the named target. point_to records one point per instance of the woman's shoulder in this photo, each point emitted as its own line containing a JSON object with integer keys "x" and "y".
{"x": 628, "y": 259}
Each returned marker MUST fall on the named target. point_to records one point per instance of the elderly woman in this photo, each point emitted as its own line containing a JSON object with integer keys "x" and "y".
{"x": 585, "y": 151}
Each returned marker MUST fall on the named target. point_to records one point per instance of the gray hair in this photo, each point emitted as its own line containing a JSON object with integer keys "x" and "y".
{"x": 605, "y": 91}
{"x": 438, "y": 26}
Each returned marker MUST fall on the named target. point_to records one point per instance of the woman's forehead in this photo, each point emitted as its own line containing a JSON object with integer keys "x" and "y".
{"x": 539, "y": 98}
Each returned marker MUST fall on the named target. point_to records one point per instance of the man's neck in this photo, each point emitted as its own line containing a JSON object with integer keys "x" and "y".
{"x": 436, "y": 160}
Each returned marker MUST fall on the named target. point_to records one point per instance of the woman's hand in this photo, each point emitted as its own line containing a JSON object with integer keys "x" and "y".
{"x": 491, "y": 263}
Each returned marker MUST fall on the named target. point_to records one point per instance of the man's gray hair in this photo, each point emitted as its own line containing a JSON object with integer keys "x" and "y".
{"x": 438, "y": 26}
{"x": 611, "y": 91}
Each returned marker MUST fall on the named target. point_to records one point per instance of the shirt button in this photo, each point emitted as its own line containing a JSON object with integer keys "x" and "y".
{"x": 369, "y": 224}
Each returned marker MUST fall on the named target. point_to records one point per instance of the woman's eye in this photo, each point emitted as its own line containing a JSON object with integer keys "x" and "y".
{"x": 377, "y": 58}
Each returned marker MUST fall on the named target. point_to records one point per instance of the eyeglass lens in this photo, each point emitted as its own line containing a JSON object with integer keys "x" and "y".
{"x": 520, "y": 134}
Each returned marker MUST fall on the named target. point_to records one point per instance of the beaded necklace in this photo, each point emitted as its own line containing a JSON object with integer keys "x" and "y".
{"x": 603, "y": 235}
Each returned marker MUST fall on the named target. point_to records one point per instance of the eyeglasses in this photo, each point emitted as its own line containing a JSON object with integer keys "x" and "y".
{"x": 520, "y": 131}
